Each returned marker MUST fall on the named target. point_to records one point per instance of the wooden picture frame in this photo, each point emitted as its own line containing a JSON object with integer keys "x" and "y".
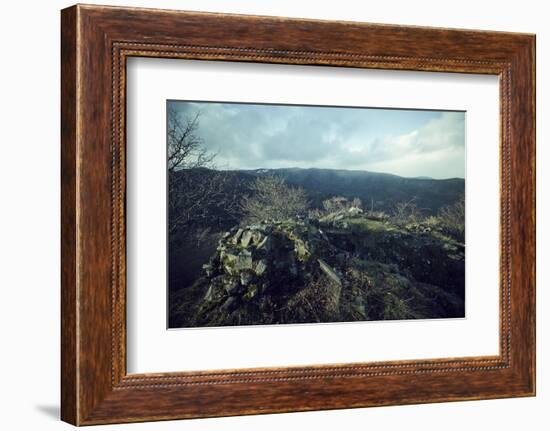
{"x": 95, "y": 43}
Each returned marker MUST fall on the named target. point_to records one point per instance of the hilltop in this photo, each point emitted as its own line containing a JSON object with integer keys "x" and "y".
{"x": 345, "y": 265}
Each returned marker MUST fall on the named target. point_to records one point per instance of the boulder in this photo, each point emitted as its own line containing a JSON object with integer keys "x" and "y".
{"x": 260, "y": 268}
{"x": 263, "y": 244}
{"x": 228, "y": 261}
{"x": 257, "y": 237}
{"x": 243, "y": 261}
{"x": 245, "y": 238}
{"x": 237, "y": 236}
{"x": 301, "y": 251}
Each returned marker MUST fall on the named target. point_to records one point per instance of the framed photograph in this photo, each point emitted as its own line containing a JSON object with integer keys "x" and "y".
{"x": 287, "y": 223}
{"x": 265, "y": 214}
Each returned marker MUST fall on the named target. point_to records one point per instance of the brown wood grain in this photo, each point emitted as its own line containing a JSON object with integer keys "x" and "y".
{"x": 96, "y": 41}
{"x": 69, "y": 397}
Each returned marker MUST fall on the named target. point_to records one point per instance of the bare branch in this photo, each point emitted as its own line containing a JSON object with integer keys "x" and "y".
{"x": 272, "y": 199}
{"x": 198, "y": 195}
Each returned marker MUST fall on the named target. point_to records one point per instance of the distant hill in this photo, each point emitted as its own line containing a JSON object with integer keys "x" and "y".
{"x": 380, "y": 190}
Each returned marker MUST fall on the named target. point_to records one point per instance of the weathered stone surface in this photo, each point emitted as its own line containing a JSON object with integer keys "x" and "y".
{"x": 329, "y": 272}
{"x": 246, "y": 237}
{"x": 228, "y": 303}
{"x": 260, "y": 268}
{"x": 228, "y": 260}
{"x": 246, "y": 278}
{"x": 250, "y": 293}
{"x": 209, "y": 296}
{"x": 231, "y": 286}
{"x": 301, "y": 251}
{"x": 237, "y": 236}
{"x": 262, "y": 245}
{"x": 243, "y": 261}
{"x": 328, "y": 269}
{"x": 257, "y": 237}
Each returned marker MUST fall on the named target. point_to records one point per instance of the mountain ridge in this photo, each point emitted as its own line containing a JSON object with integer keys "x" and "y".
{"x": 338, "y": 170}
{"x": 378, "y": 191}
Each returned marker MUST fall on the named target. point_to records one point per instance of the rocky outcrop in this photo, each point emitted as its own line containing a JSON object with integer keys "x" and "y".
{"x": 258, "y": 267}
{"x": 340, "y": 267}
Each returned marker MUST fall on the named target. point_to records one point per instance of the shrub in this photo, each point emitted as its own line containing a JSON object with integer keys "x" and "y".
{"x": 339, "y": 203}
{"x": 452, "y": 218}
{"x": 272, "y": 199}
{"x": 406, "y": 212}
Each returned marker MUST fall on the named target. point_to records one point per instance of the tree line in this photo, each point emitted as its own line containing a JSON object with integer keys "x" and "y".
{"x": 199, "y": 196}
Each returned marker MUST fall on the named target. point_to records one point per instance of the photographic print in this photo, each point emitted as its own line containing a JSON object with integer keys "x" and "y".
{"x": 287, "y": 214}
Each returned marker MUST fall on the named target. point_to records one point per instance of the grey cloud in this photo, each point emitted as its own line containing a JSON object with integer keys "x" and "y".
{"x": 409, "y": 143}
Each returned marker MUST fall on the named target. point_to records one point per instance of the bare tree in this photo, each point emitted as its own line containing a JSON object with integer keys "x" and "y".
{"x": 407, "y": 212}
{"x": 340, "y": 203}
{"x": 185, "y": 148}
{"x": 273, "y": 199}
{"x": 335, "y": 204}
{"x": 356, "y": 203}
{"x": 198, "y": 195}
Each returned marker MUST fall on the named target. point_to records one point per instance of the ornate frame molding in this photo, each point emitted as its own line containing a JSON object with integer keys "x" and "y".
{"x": 96, "y": 41}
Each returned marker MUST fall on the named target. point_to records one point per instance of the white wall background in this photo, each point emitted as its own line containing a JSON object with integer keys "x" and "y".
{"x": 29, "y": 215}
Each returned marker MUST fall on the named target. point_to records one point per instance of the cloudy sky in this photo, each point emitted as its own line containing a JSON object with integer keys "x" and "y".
{"x": 409, "y": 143}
